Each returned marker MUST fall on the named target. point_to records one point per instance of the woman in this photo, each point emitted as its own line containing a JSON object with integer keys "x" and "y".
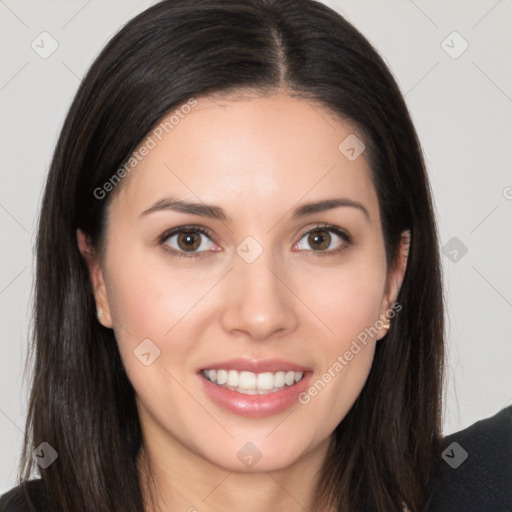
{"x": 238, "y": 298}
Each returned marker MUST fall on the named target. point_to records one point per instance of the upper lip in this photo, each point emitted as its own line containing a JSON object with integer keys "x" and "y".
{"x": 256, "y": 365}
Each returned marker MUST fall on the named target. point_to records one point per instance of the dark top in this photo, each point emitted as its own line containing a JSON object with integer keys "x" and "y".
{"x": 474, "y": 473}
{"x": 475, "y": 470}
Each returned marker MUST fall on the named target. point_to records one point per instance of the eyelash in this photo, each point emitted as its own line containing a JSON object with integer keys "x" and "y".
{"x": 198, "y": 229}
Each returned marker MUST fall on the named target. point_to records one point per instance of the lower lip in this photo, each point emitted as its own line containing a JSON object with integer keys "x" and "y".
{"x": 255, "y": 405}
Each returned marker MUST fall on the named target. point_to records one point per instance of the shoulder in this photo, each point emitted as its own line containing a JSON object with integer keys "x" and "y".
{"x": 474, "y": 472}
{"x": 29, "y": 496}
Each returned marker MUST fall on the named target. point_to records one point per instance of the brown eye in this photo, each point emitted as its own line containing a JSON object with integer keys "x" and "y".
{"x": 324, "y": 239}
{"x": 188, "y": 241}
{"x": 319, "y": 240}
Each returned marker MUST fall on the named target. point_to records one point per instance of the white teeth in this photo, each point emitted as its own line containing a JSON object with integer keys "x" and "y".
{"x": 250, "y": 383}
{"x": 279, "y": 379}
{"x": 248, "y": 391}
{"x": 265, "y": 381}
{"x": 222, "y": 377}
{"x": 233, "y": 378}
{"x": 247, "y": 380}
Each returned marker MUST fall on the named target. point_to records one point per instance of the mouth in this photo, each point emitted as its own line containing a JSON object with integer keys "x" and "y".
{"x": 249, "y": 383}
{"x": 254, "y": 388}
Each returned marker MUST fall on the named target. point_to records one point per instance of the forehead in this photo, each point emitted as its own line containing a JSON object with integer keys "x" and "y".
{"x": 257, "y": 152}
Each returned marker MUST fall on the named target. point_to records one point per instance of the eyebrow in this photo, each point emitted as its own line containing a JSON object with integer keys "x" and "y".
{"x": 216, "y": 212}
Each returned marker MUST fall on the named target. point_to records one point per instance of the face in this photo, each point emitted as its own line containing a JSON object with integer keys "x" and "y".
{"x": 242, "y": 319}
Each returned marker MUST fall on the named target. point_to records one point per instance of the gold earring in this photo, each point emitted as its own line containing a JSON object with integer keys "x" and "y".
{"x": 386, "y": 325}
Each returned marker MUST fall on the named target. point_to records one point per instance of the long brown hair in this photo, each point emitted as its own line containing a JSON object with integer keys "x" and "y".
{"x": 82, "y": 402}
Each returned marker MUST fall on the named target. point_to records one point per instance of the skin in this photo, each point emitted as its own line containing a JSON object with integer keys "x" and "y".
{"x": 258, "y": 158}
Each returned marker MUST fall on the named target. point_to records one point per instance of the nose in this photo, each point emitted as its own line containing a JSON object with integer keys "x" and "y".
{"x": 258, "y": 304}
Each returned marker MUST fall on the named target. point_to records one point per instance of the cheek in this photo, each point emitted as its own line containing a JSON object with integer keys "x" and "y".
{"x": 151, "y": 306}
{"x": 149, "y": 298}
{"x": 345, "y": 358}
{"x": 153, "y": 302}
{"x": 348, "y": 302}
{"x": 347, "y": 298}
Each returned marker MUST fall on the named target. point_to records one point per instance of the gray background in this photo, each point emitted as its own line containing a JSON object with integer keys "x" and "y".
{"x": 462, "y": 108}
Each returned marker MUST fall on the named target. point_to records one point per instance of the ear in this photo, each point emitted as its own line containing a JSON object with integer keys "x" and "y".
{"x": 96, "y": 277}
{"x": 394, "y": 283}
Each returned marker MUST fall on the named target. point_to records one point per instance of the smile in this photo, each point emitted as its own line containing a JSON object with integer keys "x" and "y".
{"x": 249, "y": 383}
